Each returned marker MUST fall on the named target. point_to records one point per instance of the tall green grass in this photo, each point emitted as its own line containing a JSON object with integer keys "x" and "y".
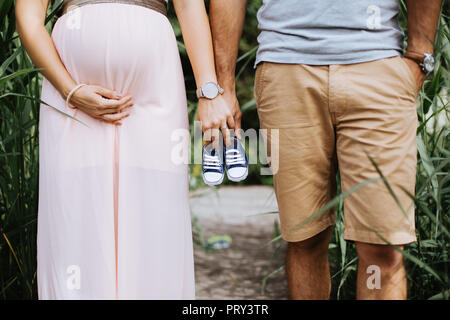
{"x": 20, "y": 86}
{"x": 20, "y": 82}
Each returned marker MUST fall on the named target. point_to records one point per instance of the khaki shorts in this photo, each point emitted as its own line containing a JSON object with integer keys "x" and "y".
{"x": 332, "y": 117}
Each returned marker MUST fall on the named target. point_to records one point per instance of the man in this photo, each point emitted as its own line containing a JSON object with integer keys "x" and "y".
{"x": 331, "y": 79}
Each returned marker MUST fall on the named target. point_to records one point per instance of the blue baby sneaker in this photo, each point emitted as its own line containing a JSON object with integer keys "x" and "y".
{"x": 236, "y": 161}
{"x": 213, "y": 169}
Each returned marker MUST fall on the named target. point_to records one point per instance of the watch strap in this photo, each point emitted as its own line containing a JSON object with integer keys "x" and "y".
{"x": 199, "y": 93}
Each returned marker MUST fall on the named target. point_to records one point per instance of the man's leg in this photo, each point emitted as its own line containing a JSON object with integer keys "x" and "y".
{"x": 389, "y": 263}
{"x": 293, "y": 107}
{"x": 307, "y": 268}
{"x": 376, "y": 132}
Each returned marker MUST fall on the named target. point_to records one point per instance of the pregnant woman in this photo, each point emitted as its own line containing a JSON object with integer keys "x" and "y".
{"x": 113, "y": 220}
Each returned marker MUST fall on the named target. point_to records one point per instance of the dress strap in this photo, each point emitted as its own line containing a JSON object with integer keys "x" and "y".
{"x": 157, "y": 5}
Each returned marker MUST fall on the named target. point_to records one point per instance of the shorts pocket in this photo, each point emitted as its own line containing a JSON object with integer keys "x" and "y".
{"x": 259, "y": 81}
{"x": 408, "y": 75}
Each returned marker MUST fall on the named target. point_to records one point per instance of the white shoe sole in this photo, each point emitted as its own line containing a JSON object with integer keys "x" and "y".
{"x": 238, "y": 179}
{"x": 212, "y": 183}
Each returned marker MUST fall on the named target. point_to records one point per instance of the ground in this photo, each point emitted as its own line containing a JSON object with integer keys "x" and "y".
{"x": 238, "y": 271}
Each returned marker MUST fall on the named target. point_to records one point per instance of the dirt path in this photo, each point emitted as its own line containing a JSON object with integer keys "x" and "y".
{"x": 238, "y": 271}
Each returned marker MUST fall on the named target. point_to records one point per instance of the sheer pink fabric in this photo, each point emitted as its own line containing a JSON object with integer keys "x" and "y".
{"x": 114, "y": 217}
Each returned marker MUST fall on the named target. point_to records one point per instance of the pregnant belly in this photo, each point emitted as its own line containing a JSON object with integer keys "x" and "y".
{"x": 118, "y": 46}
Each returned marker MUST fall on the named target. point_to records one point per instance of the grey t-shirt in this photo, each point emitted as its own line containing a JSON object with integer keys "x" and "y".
{"x": 323, "y": 32}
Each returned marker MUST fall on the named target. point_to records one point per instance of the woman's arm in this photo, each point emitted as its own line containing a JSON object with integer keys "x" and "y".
{"x": 30, "y": 17}
{"x": 213, "y": 114}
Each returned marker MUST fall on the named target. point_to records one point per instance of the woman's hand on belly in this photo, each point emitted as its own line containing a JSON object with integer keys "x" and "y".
{"x": 102, "y": 104}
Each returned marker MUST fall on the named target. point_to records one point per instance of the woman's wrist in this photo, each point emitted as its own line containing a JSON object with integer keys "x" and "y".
{"x": 66, "y": 88}
{"x": 71, "y": 93}
{"x": 204, "y": 79}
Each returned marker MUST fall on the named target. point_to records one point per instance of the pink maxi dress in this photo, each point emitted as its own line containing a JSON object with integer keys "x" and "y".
{"x": 114, "y": 220}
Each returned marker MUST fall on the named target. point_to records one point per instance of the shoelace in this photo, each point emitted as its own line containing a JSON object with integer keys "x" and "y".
{"x": 233, "y": 156}
{"x": 211, "y": 162}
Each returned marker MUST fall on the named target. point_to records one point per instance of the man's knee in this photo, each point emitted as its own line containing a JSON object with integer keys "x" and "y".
{"x": 317, "y": 244}
{"x": 381, "y": 255}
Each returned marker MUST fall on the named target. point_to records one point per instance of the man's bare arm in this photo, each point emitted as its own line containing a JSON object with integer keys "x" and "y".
{"x": 227, "y": 21}
{"x": 423, "y": 17}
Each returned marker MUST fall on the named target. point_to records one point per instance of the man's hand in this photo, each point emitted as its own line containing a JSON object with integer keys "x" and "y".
{"x": 235, "y": 110}
{"x": 215, "y": 115}
{"x": 419, "y": 75}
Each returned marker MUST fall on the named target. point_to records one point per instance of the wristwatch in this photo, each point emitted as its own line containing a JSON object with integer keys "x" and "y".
{"x": 425, "y": 60}
{"x": 209, "y": 90}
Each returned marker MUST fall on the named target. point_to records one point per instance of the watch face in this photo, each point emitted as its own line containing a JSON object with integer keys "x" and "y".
{"x": 428, "y": 63}
{"x": 210, "y": 90}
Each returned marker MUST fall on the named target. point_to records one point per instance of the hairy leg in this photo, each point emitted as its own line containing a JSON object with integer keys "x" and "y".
{"x": 307, "y": 268}
{"x": 386, "y": 264}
